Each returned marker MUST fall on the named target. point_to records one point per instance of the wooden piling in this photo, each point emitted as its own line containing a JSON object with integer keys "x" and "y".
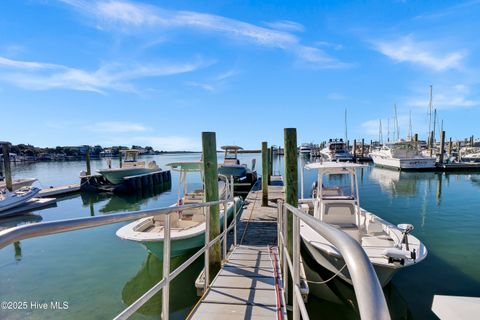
{"x": 450, "y": 146}
{"x": 87, "y": 159}
{"x": 209, "y": 149}
{"x": 415, "y": 139}
{"x": 291, "y": 178}
{"x": 6, "y": 165}
{"x": 355, "y": 148}
{"x": 442, "y": 145}
{"x": 265, "y": 172}
{"x": 270, "y": 163}
{"x": 119, "y": 157}
{"x": 363, "y": 147}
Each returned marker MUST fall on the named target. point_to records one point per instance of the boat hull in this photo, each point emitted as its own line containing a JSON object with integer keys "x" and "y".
{"x": 329, "y": 265}
{"x": 12, "y": 202}
{"x": 116, "y": 176}
{"x": 404, "y": 164}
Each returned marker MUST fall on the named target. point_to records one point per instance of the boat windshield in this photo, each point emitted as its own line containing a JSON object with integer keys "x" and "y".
{"x": 337, "y": 185}
{"x": 131, "y": 156}
{"x": 337, "y": 146}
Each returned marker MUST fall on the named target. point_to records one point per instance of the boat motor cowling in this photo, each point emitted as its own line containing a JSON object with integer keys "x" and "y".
{"x": 406, "y": 228}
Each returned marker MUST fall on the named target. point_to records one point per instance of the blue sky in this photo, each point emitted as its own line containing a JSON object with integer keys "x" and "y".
{"x": 161, "y": 72}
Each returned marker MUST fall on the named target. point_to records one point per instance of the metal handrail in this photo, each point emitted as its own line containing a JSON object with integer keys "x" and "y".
{"x": 370, "y": 297}
{"x": 15, "y": 234}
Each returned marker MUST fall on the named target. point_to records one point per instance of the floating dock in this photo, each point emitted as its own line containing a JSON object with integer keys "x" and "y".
{"x": 30, "y": 205}
{"x": 59, "y": 191}
{"x": 143, "y": 183}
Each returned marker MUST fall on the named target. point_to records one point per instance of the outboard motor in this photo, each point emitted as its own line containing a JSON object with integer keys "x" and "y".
{"x": 406, "y": 228}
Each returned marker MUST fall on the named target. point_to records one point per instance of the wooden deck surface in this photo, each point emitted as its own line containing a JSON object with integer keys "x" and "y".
{"x": 245, "y": 286}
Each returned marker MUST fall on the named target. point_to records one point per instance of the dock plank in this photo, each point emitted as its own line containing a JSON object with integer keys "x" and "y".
{"x": 243, "y": 289}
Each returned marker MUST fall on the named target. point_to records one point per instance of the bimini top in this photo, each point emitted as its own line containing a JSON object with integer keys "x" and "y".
{"x": 332, "y": 167}
{"x": 189, "y": 166}
{"x": 231, "y": 148}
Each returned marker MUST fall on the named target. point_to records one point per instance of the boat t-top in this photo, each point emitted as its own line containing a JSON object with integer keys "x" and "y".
{"x": 244, "y": 177}
{"x": 336, "y": 150}
{"x": 187, "y": 226}
{"x": 402, "y": 155}
{"x": 130, "y": 167}
{"x": 389, "y": 247}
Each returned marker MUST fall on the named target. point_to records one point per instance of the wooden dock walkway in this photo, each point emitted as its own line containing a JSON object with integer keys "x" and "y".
{"x": 249, "y": 285}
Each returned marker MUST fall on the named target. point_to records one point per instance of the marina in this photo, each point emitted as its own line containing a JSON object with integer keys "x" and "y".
{"x": 239, "y": 160}
{"x": 257, "y": 233}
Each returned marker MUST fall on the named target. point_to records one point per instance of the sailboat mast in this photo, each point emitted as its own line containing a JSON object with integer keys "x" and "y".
{"x": 434, "y": 125}
{"x": 388, "y": 129}
{"x": 346, "y": 133}
{"x": 380, "y": 133}
{"x": 410, "y": 134}
{"x": 430, "y": 119}
{"x": 396, "y": 123}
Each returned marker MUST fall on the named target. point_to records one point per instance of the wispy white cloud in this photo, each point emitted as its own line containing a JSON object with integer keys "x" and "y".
{"x": 34, "y": 75}
{"x": 446, "y": 97}
{"x": 215, "y": 83}
{"x": 447, "y": 11}
{"x": 131, "y": 17}
{"x": 116, "y": 127}
{"x": 427, "y": 54}
{"x": 335, "y": 96}
{"x": 285, "y": 25}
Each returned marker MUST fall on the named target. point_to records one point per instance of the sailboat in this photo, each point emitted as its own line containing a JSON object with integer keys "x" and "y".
{"x": 187, "y": 226}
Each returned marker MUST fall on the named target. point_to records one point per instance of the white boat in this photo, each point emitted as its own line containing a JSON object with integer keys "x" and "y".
{"x": 402, "y": 155}
{"x": 187, "y": 226}
{"x": 389, "y": 247}
{"x": 306, "y": 148}
{"x": 470, "y": 154}
{"x": 19, "y": 183}
{"x": 10, "y": 200}
{"x": 243, "y": 176}
{"x": 336, "y": 150}
{"x": 130, "y": 167}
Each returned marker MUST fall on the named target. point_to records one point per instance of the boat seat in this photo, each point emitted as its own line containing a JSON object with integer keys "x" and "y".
{"x": 341, "y": 214}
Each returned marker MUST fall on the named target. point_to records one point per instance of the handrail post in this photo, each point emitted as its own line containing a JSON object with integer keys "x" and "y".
{"x": 235, "y": 223}
{"x": 166, "y": 268}
{"x": 284, "y": 244}
{"x": 296, "y": 265}
{"x": 207, "y": 251}
{"x": 225, "y": 218}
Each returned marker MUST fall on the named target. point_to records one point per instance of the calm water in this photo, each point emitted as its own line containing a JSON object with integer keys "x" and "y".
{"x": 99, "y": 275}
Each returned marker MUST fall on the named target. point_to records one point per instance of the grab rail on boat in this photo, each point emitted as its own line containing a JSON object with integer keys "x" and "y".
{"x": 12, "y": 235}
{"x": 369, "y": 293}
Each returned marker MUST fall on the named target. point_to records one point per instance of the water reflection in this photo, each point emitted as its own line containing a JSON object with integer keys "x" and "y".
{"x": 11, "y": 222}
{"x": 182, "y": 289}
{"x": 114, "y": 203}
{"x": 394, "y": 182}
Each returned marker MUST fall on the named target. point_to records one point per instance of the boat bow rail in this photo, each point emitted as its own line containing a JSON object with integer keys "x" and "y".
{"x": 368, "y": 291}
{"x": 15, "y": 234}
